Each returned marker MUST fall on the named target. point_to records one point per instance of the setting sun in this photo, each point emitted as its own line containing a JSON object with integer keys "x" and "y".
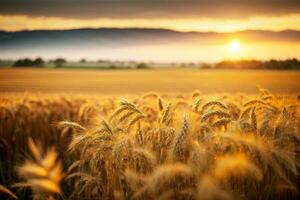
{"x": 234, "y": 46}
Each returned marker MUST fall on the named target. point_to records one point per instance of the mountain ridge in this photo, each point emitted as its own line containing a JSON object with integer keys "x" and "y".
{"x": 157, "y": 29}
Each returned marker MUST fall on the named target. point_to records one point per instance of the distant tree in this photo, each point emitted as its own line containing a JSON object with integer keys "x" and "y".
{"x": 206, "y": 66}
{"x": 27, "y": 62}
{"x": 142, "y": 66}
{"x": 59, "y": 62}
{"x": 39, "y": 62}
{"x": 83, "y": 60}
{"x": 17, "y": 63}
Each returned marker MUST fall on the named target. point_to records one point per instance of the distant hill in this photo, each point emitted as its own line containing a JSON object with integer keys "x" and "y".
{"x": 113, "y": 43}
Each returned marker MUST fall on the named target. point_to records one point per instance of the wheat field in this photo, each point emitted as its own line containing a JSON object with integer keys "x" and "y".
{"x": 116, "y": 82}
{"x": 150, "y": 146}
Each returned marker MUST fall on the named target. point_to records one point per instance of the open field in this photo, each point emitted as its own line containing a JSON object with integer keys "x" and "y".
{"x": 198, "y": 135}
{"x": 133, "y": 81}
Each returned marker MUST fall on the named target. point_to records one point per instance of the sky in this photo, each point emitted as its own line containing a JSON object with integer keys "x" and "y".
{"x": 182, "y": 15}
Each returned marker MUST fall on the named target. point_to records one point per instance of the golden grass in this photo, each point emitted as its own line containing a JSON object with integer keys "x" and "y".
{"x": 157, "y": 146}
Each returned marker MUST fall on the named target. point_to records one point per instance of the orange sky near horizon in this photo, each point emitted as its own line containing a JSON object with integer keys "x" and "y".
{"x": 272, "y": 23}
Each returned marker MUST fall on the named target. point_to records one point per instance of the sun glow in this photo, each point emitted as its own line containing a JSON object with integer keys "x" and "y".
{"x": 234, "y": 46}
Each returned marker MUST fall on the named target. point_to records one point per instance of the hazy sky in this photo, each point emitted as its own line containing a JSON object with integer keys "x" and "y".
{"x": 186, "y": 15}
{"x": 182, "y": 15}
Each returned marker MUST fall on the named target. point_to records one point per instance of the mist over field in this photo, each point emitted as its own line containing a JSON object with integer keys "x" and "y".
{"x": 158, "y": 45}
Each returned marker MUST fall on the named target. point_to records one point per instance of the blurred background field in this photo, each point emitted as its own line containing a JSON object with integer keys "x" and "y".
{"x": 146, "y": 80}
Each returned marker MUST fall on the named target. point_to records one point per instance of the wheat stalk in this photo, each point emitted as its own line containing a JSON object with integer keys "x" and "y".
{"x": 7, "y": 191}
{"x": 213, "y": 103}
{"x": 213, "y": 114}
{"x": 43, "y": 174}
{"x": 180, "y": 142}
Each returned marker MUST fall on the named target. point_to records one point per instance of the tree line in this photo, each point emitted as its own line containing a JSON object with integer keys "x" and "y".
{"x": 38, "y": 62}
{"x": 288, "y": 64}
{"x": 59, "y": 62}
